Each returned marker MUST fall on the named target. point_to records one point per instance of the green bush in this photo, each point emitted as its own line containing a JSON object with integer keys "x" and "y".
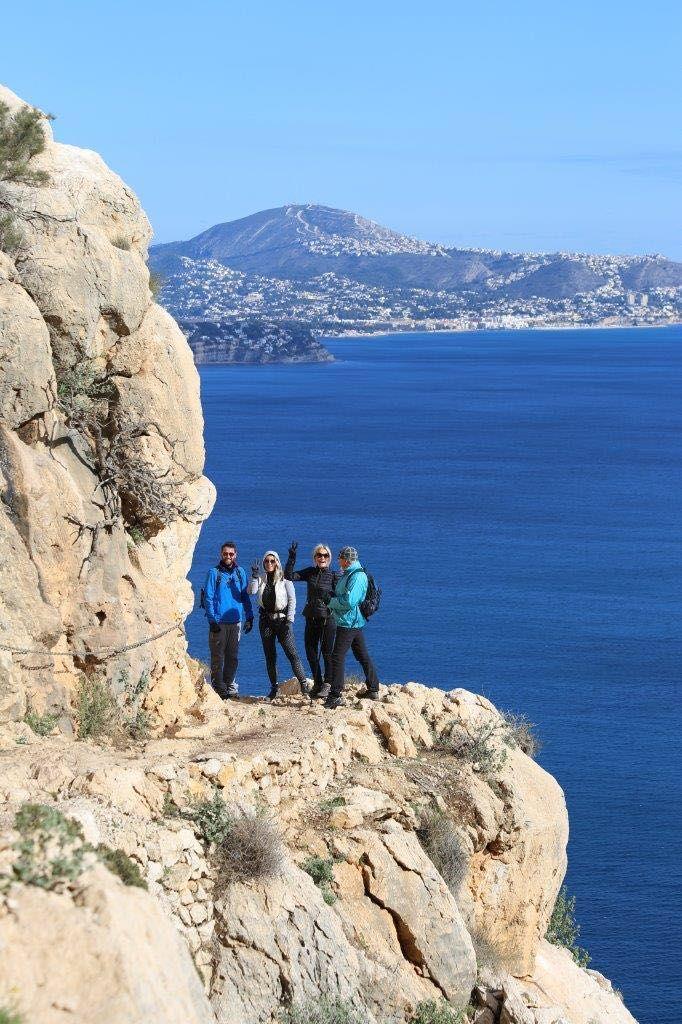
{"x": 99, "y": 713}
{"x": 8, "y": 1015}
{"x": 22, "y": 136}
{"x": 52, "y": 850}
{"x": 327, "y": 806}
{"x": 42, "y": 725}
{"x": 95, "y": 708}
{"x": 322, "y": 1011}
{"x": 51, "y": 847}
{"x": 432, "y": 1012}
{"x": 121, "y": 242}
{"x": 11, "y": 238}
{"x": 212, "y": 818}
{"x": 445, "y": 847}
{"x": 120, "y": 864}
{"x": 321, "y": 871}
{"x": 563, "y": 929}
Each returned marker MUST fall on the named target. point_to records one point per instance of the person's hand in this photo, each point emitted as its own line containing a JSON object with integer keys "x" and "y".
{"x": 248, "y": 625}
{"x": 326, "y": 597}
{"x": 293, "y": 548}
{"x": 255, "y": 569}
{"x": 214, "y": 627}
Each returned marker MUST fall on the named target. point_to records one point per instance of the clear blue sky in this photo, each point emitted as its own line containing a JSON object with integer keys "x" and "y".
{"x": 524, "y": 125}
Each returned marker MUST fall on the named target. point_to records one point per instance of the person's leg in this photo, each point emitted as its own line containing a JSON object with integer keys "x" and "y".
{"x": 361, "y": 654}
{"x": 216, "y": 645}
{"x": 342, "y": 643}
{"x": 328, "y": 638}
{"x": 231, "y": 658}
{"x": 285, "y": 635}
{"x": 311, "y": 639}
{"x": 267, "y": 635}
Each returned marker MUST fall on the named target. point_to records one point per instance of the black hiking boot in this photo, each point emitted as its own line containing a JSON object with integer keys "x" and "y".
{"x": 368, "y": 694}
{"x": 320, "y": 692}
{"x": 333, "y": 702}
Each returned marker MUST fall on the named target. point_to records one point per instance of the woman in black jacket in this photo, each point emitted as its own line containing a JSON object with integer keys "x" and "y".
{"x": 320, "y": 628}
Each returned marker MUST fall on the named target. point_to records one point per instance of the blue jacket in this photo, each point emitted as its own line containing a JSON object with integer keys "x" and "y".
{"x": 347, "y": 597}
{"x": 225, "y": 596}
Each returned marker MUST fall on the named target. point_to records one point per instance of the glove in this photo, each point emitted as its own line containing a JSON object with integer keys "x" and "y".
{"x": 326, "y": 597}
{"x": 248, "y": 625}
{"x": 214, "y": 627}
{"x": 293, "y": 548}
{"x": 255, "y": 569}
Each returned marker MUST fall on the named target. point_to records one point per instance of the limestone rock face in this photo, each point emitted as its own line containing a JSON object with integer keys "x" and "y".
{"x": 389, "y": 925}
{"x": 562, "y": 990}
{"x": 87, "y": 567}
{"x": 104, "y": 952}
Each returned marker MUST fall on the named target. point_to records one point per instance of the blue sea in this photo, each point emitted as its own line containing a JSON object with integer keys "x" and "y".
{"x": 517, "y": 495}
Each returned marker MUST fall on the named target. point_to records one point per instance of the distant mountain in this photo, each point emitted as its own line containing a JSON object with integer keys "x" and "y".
{"x": 337, "y": 271}
{"x": 252, "y": 341}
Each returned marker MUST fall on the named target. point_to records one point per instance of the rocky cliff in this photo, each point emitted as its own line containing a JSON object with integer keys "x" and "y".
{"x": 246, "y": 863}
{"x": 101, "y": 447}
{"x": 389, "y": 855}
{"x": 252, "y": 340}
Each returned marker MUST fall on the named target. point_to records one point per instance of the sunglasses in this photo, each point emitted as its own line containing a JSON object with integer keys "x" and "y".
{"x": 266, "y": 561}
{"x": 321, "y": 554}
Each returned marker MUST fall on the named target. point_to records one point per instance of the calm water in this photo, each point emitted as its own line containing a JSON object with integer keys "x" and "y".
{"x": 517, "y": 494}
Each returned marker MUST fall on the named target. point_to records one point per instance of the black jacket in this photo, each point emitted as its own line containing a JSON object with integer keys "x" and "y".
{"x": 319, "y": 581}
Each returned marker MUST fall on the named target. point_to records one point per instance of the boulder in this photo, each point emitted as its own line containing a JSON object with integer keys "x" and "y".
{"x": 126, "y": 963}
{"x": 571, "y": 992}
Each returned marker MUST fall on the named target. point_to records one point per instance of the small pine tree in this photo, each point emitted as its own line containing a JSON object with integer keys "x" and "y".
{"x": 22, "y": 136}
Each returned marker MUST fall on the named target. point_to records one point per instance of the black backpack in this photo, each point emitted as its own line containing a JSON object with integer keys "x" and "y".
{"x": 372, "y": 599}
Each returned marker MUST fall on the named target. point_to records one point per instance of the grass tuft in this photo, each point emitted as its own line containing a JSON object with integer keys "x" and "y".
{"x": 322, "y": 1011}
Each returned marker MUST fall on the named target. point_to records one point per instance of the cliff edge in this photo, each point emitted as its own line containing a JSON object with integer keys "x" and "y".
{"x": 392, "y": 862}
{"x": 101, "y": 444}
{"x": 389, "y": 856}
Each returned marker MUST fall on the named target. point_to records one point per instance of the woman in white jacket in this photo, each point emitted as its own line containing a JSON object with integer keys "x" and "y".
{"x": 277, "y": 605}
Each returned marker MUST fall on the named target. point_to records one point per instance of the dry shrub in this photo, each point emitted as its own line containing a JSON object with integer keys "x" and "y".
{"x": 518, "y": 731}
{"x": 247, "y": 844}
{"x": 252, "y": 849}
{"x": 445, "y": 847}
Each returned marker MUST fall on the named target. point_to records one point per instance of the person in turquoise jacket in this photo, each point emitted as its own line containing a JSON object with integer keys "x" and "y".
{"x": 227, "y": 604}
{"x": 350, "y": 591}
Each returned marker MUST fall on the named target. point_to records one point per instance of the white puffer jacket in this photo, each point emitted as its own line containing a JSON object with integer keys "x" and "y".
{"x": 285, "y": 595}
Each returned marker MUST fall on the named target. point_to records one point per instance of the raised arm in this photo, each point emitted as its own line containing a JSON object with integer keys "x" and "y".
{"x": 289, "y": 570}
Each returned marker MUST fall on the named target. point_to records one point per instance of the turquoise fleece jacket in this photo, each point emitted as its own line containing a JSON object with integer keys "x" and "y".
{"x": 347, "y": 596}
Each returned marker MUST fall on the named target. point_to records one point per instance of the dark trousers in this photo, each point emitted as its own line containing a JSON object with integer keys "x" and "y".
{"x": 224, "y": 648}
{"x": 319, "y": 639}
{"x": 272, "y": 630}
{"x": 353, "y": 640}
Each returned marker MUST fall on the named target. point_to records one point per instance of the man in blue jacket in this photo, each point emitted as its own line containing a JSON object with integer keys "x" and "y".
{"x": 228, "y": 606}
{"x": 350, "y": 591}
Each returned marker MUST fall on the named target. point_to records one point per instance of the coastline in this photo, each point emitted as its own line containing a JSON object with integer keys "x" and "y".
{"x": 490, "y": 330}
